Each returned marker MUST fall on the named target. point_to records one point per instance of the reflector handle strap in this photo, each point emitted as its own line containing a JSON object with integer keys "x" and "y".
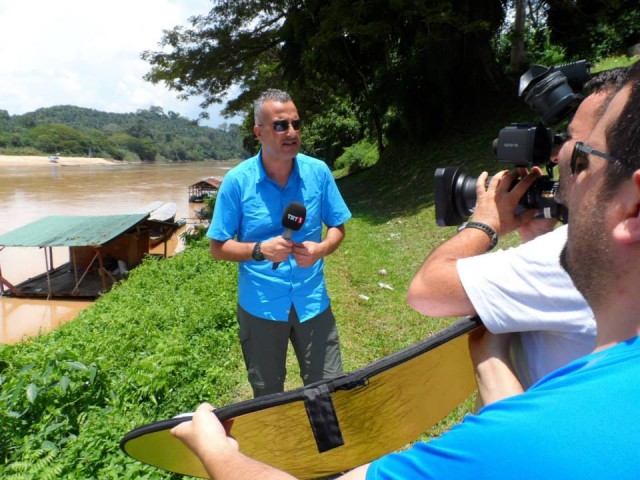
{"x": 322, "y": 418}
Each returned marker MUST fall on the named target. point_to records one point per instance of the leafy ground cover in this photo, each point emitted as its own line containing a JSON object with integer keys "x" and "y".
{"x": 157, "y": 345}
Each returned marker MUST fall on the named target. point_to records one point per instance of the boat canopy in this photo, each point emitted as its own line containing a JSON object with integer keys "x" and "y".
{"x": 71, "y": 231}
{"x": 208, "y": 182}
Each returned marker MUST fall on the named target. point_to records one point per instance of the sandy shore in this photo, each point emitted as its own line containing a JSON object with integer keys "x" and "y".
{"x": 31, "y": 161}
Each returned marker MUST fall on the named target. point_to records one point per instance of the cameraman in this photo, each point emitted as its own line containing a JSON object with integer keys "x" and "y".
{"x": 523, "y": 289}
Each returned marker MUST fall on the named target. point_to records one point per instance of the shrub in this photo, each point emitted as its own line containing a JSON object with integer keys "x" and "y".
{"x": 156, "y": 345}
{"x": 363, "y": 154}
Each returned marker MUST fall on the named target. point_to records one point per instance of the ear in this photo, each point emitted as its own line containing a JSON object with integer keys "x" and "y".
{"x": 628, "y": 230}
{"x": 257, "y": 132}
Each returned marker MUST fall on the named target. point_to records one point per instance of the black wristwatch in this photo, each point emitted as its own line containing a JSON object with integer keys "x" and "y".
{"x": 493, "y": 236}
{"x": 256, "y": 254}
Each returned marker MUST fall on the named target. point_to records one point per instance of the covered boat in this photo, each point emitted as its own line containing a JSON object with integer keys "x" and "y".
{"x": 102, "y": 249}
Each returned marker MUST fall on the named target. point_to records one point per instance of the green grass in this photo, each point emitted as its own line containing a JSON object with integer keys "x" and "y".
{"x": 613, "y": 62}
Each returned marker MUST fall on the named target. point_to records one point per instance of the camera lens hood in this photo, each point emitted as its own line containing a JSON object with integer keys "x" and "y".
{"x": 455, "y": 195}
{"x": 553, "y": 98}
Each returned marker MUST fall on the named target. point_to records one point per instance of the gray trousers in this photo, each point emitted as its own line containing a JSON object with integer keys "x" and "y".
{"x": 265, "y": 342}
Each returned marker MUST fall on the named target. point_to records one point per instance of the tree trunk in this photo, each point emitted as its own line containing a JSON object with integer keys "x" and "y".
{"x": 377, "y": 122}
{"x": 518, "y": 51}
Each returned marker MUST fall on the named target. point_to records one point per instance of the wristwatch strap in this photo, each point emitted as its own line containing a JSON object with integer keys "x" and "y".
{"x": 493, "y": 236}
{"x": 256, "y": 253}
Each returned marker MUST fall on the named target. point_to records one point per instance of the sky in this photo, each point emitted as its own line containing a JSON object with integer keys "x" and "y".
{"x": 87, "y": 53}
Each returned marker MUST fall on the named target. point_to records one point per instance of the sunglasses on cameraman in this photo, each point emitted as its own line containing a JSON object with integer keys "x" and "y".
{"x": 580, "y": 157}
{"x": 280, "y": 126}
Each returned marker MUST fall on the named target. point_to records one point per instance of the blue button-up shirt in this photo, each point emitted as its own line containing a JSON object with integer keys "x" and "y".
{"x": 249, "y": 208}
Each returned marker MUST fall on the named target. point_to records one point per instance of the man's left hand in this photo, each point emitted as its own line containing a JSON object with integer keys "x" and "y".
{"x": 307, "y": 253}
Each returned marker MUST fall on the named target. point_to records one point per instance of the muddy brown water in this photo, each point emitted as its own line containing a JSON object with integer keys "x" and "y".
{"x": 33, "y": 192}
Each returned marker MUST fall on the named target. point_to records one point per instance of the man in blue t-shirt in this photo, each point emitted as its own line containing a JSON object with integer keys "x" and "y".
{"x": 580, "y": 421}
{"x": 282, "y": 294}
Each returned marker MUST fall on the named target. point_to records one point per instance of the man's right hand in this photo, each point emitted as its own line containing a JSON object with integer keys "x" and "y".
{"x": 204, "y": 434}
{"x": 436, "y": 289}
{"x": 277, "y": 249}
{"x": 536, "y": 226}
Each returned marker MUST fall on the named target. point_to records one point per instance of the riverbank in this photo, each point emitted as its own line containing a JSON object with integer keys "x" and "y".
{"x": 36, "y": 160}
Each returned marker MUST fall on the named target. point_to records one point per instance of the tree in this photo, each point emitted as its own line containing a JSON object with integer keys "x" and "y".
{"x": 142, "y": 147}
{"x": 157, "y": 111}
{"x": 227, "y": 46}
{"x": 332, "y": 130}
{"x": 525, "y": 38}
{"x": 404, "y": 65}
{"x": 518, "y": 51}
{"x": 594, "y": 28}
{"x": 140, "y": 129}
{"x": 58, "y": 138}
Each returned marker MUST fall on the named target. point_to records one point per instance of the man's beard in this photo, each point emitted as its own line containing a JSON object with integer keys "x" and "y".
{"x": 587, "y": 256}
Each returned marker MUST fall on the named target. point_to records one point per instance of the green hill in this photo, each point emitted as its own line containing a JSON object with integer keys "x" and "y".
{"x": 147, "y": 135}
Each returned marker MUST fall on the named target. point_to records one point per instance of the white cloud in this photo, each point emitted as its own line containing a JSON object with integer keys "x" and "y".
{"x": 87, "y": 53}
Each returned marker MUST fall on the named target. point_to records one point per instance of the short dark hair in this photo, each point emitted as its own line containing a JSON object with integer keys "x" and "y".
{"x": 623, "y": 135}
{"x": 606, "y": 81}
{"x": 613, "y": 78}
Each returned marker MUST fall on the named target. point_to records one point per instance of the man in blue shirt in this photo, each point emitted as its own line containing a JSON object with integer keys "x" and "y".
{"x": 281, "y": 289}
{"x": 580, "y": 421}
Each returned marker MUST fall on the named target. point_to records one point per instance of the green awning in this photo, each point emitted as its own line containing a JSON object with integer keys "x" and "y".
{"x": 71, "y": 231}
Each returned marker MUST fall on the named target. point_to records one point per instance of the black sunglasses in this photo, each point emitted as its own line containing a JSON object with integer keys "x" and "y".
{"x": 283, "y": 125}
{"x": 581, "y": 152}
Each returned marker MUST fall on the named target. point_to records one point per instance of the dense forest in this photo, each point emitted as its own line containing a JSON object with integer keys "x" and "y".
{"x": 147, "y": 135}
{"x": 379, "y": 71}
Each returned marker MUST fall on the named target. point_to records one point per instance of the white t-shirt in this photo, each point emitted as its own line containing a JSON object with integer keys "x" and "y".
{"x": 524, "y": 289}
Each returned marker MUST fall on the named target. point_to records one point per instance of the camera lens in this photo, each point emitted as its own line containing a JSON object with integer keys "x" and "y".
{"x": 553, "y": 98}
{"x": 455, "y": 197}
{"x": 455, "y": 194}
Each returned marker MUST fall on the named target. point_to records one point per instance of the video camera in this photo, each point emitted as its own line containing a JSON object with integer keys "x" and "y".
{"x": 554, "y": 93}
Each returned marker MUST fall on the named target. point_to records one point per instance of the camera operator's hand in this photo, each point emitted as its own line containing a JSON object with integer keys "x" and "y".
{"x": 436, "y": 289}
{"x": 496, "y": 204}
{"x": 536, "y": 226}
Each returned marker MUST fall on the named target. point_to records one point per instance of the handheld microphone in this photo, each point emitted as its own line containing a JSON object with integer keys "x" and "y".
{"x": 292, "y": 220}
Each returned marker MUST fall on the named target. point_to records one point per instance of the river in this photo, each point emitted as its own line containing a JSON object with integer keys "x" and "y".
{"x": 32, "y": 192}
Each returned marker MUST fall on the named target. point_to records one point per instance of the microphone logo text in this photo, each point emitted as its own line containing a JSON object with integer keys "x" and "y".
{"x": 295, "y": 218}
